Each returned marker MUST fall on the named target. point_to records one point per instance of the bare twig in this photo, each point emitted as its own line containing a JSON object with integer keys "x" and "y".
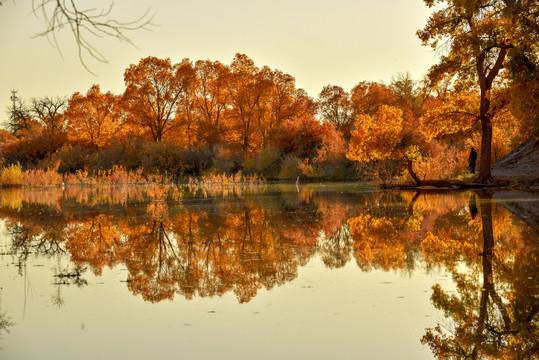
{"x": 84, "y": 24}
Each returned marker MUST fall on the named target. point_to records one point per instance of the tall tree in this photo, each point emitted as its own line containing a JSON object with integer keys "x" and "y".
{"x": 336, "y": 108}
{"x": 212, "y": 100}
{"x": 154, "y": 92}
{"x": 368, "y": 97}
{"x": 50, "y": 113}
{"x": 479, "y": 35}
{"x": 94, "y": 117}
{"x": 246, "y": 89}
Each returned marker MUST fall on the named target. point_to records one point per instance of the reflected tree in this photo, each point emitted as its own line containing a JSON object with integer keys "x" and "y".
{"x": 384, "y": 233}
{"x": 92, "y": 242}
{"x": 336, "y": 250}
{"x": 496, "y": 312}
{"x": 151, "y": 256}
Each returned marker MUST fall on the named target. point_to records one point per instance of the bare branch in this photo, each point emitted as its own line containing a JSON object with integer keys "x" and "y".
{"x": 85, "y": 24}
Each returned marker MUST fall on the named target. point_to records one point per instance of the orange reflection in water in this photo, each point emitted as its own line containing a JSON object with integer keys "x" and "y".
{"x": 179, "y": 243}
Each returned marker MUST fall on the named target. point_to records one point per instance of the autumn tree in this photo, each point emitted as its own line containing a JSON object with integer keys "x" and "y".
{"x": 380, "y": 138}
{"x": 94, "y": 117}
{"x": 186, "y": 114}
{"x": 479, "y": 37}
{"x": 335, "y": 106}
{"x": 246, "y": 90}
{"x": 523, "y": 90}
{"x": 282, "y": 103}
{"x": 368, "y": 97}
{"x": 154, "y": 91}
{"x": 211, "y": 100}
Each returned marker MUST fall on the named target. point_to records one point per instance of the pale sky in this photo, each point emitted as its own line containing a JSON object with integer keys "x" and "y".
{"x": 338, "y": 42}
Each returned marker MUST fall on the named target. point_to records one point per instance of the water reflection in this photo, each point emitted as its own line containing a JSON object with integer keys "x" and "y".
{"x": 5, "y": 321}
{"x": 208, "y": 241}
{"x": 495, "y": 312}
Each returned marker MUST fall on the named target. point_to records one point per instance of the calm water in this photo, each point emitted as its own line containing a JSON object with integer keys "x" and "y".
{"x": 267, "y": 272}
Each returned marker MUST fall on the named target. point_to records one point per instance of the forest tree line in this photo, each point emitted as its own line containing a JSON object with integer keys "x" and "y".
{"x": 193, "y": 117}
{"x": 198, "y": 117}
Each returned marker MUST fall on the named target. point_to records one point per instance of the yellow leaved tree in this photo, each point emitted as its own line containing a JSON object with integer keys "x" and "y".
{"x": 380, "y": 137}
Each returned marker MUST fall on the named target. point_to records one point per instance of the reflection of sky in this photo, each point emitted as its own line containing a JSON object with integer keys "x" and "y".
{"x": 322, "y": 314}
{"x": 318, "y": 42}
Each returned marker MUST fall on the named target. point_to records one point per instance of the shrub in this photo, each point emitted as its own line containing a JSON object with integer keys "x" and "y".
{"x": 199, "y": 160}
{"x": 444, "y": 163}
{"x": 336, "y": 169}
{"x": 76, "y": 157}
{"x": 290, "y": 167}
{"x": 268, "y": 162}
{"x": 126, "y": 154}
{"x": 32, "y": 150}
{"x": 152, "y": 158}
{"x": 248, "y": 164}
{"x": 222, "y": 165}
{"x": 12, "y": 175}
{"x": 163, "y": 158}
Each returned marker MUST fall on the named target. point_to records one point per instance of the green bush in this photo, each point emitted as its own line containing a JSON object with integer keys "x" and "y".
{"x": 125, "y": 154}
{"x": 337, "y": 169}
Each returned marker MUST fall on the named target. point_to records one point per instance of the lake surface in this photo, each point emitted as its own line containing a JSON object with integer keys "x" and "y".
{"x": 275, "y": 271}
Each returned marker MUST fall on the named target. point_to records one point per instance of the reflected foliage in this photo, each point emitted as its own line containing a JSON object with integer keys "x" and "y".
{"x": 494, "y": 313}
{"x": 206, "y": 242}
{"x": 5, "y": 324}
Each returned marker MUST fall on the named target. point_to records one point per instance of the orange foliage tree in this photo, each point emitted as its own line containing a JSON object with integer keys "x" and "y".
{"x": 368, "y": 97}
{"x": 154, "y": 90}
{"x": 211, "y": 101}
{"x": 380, "y": 138}
{"x": 246, "y": 90}
{"x": 95, "y": 117}
{"x": 481, "y": 36}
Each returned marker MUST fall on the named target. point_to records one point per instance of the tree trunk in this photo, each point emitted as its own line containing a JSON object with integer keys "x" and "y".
{"x": 485, "y": 85}
{"x": 486, "y": 138}
{"x": 412, "y": 173}
{"x": 486, "y": 149}
{"x": 488, "y": 278}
